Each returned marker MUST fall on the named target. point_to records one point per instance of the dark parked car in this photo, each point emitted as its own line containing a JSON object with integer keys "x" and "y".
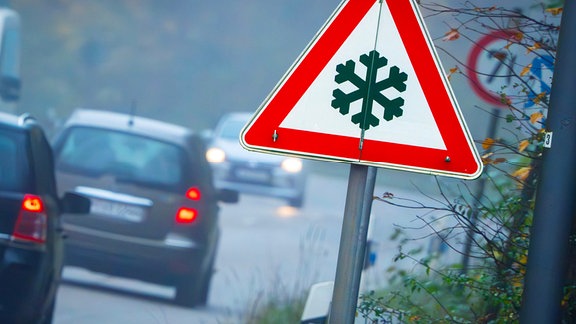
{"x": 31, "y": 238}
{"x": 251, "y": 172}
{"x": 154, "y": 213}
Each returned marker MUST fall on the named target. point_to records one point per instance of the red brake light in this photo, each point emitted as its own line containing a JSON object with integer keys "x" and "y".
{"x": 32, "y": 204}
{"x": 186, "y": 215}
{"x": 193, "y": 194}
{"x": 32, "y": 221}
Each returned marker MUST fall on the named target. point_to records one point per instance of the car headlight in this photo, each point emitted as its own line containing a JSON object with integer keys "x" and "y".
{"x": 292, "y": 165}
{"x": 215, "y": 155}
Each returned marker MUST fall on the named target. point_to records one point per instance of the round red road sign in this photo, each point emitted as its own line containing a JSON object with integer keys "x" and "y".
{"x": 487, "y": 82}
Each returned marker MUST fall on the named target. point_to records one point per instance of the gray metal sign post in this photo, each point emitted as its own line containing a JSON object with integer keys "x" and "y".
{"x": 555, "y": 204}
{"x": 352, "y": 243}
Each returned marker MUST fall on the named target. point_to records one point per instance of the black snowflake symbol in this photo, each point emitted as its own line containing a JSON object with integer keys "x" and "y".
{"x": 369, "y": 90}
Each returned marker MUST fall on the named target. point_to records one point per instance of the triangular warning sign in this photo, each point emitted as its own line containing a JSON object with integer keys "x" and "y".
{"x": 369, "y": 89}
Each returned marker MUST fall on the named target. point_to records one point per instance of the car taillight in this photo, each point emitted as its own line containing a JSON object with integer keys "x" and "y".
{"x": 32, "y": 221}
{"x": 186, "y": 215}
{"x": 193, "y": 194}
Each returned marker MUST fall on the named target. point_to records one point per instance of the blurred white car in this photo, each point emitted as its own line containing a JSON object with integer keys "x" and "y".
{"x": 251, "y": 172}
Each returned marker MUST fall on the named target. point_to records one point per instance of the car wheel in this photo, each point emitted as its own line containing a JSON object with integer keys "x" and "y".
{"x": 193, "y": 290}
{"x": 187, "y": 293}
{"x": 204, "y": 290}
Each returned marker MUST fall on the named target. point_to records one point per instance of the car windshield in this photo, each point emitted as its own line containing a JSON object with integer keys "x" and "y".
{"x": 13, "y": 164}
{"x": 128, "y": 157}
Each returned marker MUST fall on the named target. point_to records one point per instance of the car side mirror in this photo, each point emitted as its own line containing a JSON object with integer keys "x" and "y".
{"x": 73, "y": 203}
{"x": 228, "y": 196}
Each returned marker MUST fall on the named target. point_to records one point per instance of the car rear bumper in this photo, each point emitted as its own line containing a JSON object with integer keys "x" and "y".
{"x": 22, "y": 274}
{"x": 157, "y": 261}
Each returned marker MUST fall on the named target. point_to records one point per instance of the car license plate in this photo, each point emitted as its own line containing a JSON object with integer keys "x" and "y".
{"x": 117, "y": 210}
{"x": 252, "y": 175}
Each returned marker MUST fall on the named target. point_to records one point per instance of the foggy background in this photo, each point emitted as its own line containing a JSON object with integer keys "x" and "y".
{"x": 181, "y": 61}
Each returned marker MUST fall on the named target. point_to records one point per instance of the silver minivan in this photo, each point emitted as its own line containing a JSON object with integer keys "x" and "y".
{"x": 251, "y": 172}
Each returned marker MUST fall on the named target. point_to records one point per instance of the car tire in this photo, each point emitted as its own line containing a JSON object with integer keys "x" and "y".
{"x": 192, "y": 291}
{"x": 187, "y": 292}
{"x": 204, "y": 290}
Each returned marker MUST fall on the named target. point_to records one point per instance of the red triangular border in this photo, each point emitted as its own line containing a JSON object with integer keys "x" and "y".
{"x": 464, "y": 161}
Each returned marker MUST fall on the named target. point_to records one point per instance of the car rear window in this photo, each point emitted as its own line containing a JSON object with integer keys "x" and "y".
{"x": 14, "y": 166}
{"x": 128, "y": 157}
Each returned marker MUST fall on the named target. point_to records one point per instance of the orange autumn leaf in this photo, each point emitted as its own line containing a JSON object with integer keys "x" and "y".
{"x": 539, "y": 97}
{"x": 451, "y": 35}
{"x": 487, "y": 143}
{"x": 500, "y": 56}
{"x": 505, "y": 99}
{"x": 499, "y": 160}
{"x": 555, "y": 11}
{"x": 518, "y": 36}
{"x": 452, "y": 71}
{"x": 536, "y": 117}
{"x": 533, "y": 47}
{"x": 523, "y": 145}
{"x": 487, "y": 155}
{"x": 522, "y": 173}
{"x": 486, "y": 158}
{"x": 525, "y": 70}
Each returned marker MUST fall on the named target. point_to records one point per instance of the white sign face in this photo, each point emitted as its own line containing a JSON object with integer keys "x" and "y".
{"x": 313, "y": 112}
